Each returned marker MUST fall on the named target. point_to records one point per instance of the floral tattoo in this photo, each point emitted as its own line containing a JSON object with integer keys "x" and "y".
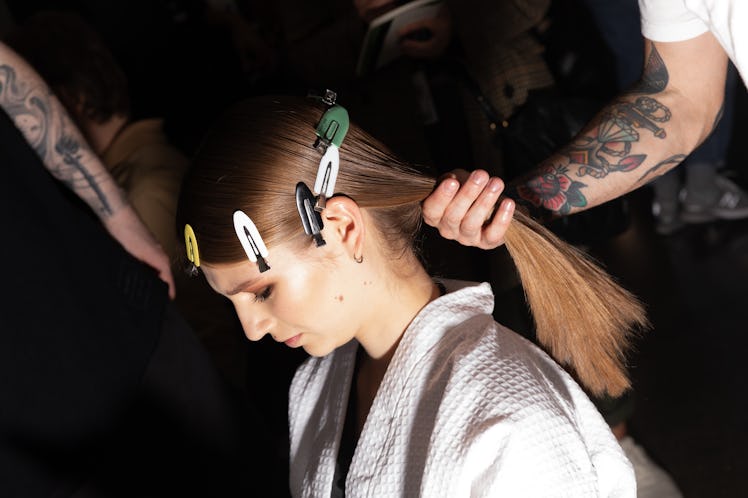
{"x": 604, "y": 147}
{"x": 553, "y": 190}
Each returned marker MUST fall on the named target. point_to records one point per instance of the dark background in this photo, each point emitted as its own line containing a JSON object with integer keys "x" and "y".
{"x": 689, "y": 371}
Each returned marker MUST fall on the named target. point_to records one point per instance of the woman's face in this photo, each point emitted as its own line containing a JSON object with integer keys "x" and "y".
{"x": 311, "y": 302}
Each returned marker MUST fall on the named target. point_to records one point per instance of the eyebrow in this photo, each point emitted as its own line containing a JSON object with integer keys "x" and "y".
{"x": 242, "y": 286}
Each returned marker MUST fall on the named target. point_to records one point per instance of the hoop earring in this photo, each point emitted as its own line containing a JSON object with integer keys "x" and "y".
{"x": 359, "y": 259}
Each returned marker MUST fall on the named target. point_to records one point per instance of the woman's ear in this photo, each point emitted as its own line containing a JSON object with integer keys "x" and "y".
{"x": 344, "y": 220}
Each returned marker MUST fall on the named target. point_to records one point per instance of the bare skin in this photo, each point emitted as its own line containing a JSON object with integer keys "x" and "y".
{"x": 47, "y": 127}
{"x": 461, "y": 204}
{"x": 321, "y": 298}
{"x": 640, "y": 135}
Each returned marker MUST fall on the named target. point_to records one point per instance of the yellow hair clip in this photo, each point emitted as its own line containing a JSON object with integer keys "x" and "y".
{"x": 190, "y": 242}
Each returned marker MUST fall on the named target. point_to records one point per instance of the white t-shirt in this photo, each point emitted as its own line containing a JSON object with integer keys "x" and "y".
{"x": 677, "y": 20}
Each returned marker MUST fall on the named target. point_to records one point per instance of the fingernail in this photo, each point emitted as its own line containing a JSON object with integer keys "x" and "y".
{"x": 495, "y": 185}
{"x": 477, "y": 178}
{"x": 506, "y": 213}
{"x": 450, "y": 186}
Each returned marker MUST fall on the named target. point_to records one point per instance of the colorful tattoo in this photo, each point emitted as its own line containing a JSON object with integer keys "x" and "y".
{"x": 552, "y": 189}
{"x": 605, "y": 146}
{"x": 30, "y": 108}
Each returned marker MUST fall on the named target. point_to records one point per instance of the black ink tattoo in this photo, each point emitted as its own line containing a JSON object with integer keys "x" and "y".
{"x": 654, "y": 77}
{"x": 674, "y": 160}
{"x": 30, "y": 108}
{"x": 69, "y": 149}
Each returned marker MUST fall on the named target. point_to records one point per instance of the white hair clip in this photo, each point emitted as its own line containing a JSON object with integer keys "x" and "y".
{"x": 327, "y": 175}
{"x": 330, "y": 131}
{"x": 251, "y": 240}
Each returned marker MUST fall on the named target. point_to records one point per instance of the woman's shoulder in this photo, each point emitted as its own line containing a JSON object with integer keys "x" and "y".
{"x": 482, "y": 356}
{"x": 503, "y": 391}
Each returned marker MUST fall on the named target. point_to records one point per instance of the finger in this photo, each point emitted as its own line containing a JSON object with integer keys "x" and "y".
{"x": 449, "y": 226}
{"x": 480, "y": 211}
{"x": 435, "y": 204}
{"x": 172, "y": 290}
{"x": 494, "y": 232}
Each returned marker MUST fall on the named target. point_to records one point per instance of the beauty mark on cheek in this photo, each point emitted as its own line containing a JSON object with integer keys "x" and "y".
{"x": 339, "y": 298}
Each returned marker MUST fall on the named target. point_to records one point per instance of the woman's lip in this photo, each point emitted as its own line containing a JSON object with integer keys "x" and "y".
{"x": 293, "y": 341}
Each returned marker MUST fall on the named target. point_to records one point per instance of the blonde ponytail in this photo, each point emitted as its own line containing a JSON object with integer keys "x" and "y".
{"x": 583, "y": 318}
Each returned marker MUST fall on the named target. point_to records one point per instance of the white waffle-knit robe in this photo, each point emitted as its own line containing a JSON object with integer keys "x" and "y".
{"x": 466, "y": 408}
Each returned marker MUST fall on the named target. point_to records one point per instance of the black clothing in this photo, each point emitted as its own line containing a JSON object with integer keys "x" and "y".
{"x": 104, "y": 389}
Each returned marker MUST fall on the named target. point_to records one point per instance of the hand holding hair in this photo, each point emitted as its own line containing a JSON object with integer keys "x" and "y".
{"x": 463, "y": 207}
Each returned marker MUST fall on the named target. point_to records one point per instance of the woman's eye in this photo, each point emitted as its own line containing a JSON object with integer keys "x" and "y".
{"x": 263, "y": 294}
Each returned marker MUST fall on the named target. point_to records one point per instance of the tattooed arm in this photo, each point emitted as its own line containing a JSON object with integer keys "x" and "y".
{"x": 49, "y": 130}
{"x": 639, "y": 136}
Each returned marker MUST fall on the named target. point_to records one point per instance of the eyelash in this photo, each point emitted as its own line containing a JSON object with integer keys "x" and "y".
{"x": 262, "y": 296}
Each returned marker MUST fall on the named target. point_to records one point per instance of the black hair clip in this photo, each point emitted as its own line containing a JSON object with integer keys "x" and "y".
{"x": 310, "y": 218}
{"x": 191, "y": 270}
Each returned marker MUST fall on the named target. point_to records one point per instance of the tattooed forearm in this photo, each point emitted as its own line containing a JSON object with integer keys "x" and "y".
{"x": 69, "y": 150}
{"x": 548, "y": 191}
{"x": 639, "y": 136}
{"x": 670, "y": 161}
{"x": 605, "y": 146}
{"x": 53, "y": 136}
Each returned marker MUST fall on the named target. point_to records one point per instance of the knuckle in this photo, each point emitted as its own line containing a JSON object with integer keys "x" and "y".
{"x": 452, "y": 221}
{"x": 430, "y": 220}
{"x": 469, "y": 230}
{"x": 493, "y": 239}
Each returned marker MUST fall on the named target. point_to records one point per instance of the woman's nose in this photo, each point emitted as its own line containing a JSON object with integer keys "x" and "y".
{"x": 255, "y": 326}
{"x": 257, "y": 330}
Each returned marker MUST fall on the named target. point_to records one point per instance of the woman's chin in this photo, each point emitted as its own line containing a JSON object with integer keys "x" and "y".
{"x": 317, "y": 350}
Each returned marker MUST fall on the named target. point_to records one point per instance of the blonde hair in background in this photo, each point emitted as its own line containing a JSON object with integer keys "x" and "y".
{"x": 258, "y": 151}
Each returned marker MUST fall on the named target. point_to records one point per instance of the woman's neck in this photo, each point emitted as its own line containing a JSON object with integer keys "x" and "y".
{"x": 393, "y": 304}
{"x": 396, "y": 306}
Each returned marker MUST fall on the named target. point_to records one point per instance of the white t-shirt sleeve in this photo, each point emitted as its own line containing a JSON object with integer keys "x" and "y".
{"x": 669, "y": 21}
